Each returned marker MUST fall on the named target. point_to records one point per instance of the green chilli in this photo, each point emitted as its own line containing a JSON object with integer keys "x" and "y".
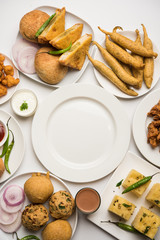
{"x": 27, "y": 237}
{"x": 139, "y": 183}
{"x": 123, "y": 226}
{"x": 41, "y": 29}
{"x": 8, "y": 152}
{"x": 60, "y": 51}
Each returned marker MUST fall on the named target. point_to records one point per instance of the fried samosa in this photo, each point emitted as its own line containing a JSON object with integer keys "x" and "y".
{"x": 68, "y": 36}
{"x": 75, "y": 57}
{"x": 54, "y": 28}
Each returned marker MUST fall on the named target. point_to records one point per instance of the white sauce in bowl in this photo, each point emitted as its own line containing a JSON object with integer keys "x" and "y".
{"x": 24, "y": 102}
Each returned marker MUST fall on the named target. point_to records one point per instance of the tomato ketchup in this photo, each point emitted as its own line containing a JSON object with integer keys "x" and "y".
{"x": 2, "y": 131}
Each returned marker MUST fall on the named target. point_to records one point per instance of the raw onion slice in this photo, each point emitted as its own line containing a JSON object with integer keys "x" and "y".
{"x": 10, "y": 209}
{"x": 13, "y": 195}
{"x": 26, "y": 58}
{"x": 7, "y": 218}
{"x": 18, "y": 46}
{"x": 13, "y": 227}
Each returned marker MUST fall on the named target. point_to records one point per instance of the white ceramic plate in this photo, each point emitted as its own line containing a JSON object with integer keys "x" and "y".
{"x": 113, "y": 89}
{"x": 58, "y": 185}
{"x": 77, "y": 132}
{"x": 11, "y": 90}
{"x": 17, "y": 152}
{"x": 131, "y": 161}
{"x": 73, "y": 75}
{"x": 140, "y": 124}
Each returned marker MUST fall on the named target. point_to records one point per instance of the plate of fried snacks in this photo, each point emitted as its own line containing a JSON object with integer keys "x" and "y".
{"x": 127, "y": 63}
{"x": 130, "y": 201}
{"x": 146, "y": 127}
{"x": 80, "y": 138}
{"x": 9, "y": 78}
{"x": 37, "y": 204}
{"x": 51, "y": 46}
{"x": 12, "y": 150}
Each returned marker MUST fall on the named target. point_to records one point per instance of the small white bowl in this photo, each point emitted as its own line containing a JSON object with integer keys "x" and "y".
{"x": 4, "y": 126}
{"x": 26, "y": 97}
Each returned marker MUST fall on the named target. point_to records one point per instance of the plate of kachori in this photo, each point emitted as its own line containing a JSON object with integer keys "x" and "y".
{"x": 30, "y": 53}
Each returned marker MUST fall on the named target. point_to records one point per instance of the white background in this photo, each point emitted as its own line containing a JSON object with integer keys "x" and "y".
{"x": 104, "y": 13}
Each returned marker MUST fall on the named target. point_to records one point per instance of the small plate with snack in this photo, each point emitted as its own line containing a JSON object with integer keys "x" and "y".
{"x": 38, "y": 204}
{"x": 9, "y": 78}
{"x": 120, "y": 68}
{"x": 12, "y": 150}
{"x": 52, "y": 49}
{"x": 145, "y": 127}
{"x": 130, "y": 201}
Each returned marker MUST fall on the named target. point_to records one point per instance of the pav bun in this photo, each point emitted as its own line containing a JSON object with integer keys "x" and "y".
{"x": 30, "y": 23}
{"x": 48, "y": 67}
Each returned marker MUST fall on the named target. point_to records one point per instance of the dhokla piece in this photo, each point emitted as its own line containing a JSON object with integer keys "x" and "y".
{"x": 54, "y": 28}
{"x": 154, "y": 195}
{"x": 70, "y": 35}
{"x": 75, "y": 57}
{"x": 121, "y": 207}
{"x": 146, "y": 222}
{"x": 132, "y": 178}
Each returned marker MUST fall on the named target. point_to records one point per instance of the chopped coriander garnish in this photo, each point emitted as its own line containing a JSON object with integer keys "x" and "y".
{"x": 126, "y": 205}
{"x": 147, "y": 229}
{"x": 24, "y": 106}
{"x": 157, "y": 201}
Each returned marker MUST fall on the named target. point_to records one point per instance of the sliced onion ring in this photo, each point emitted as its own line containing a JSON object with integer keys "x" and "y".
{"x": 10, "y": 209}
{"x": 7, "y": 218}
{"x": 13, "y": 227}
{"x": 13, "y": 195}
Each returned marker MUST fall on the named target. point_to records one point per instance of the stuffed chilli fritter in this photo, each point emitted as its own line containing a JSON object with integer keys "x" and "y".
{"x": 61, "y": 205}
{"x": 30, "y": 23}
{"x": 57, "y": 230}
{"x": 34, "y": 217}
{"x": 38, "y": 188}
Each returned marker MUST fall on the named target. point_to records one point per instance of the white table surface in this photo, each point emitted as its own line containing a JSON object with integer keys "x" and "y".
{"x": 104, "y": 13}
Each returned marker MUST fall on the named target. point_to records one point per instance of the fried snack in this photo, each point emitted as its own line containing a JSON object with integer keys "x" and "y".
{"x": 2, "y": 76}
{"x": 54, "y": 28}
{"x": 3, "y": 90}
{"x": 153, "y": 135}
{"x": 110, "y": 75}
{"x": 57, "y": 230}
{"x": 2, "y": 167}
{"x": 138, "y": 73}
{"x": 121, "y": 54}
{"x": 127, "y": 68}
{"x": 2, "y": 58}
{"x": 128, "y": 43}
{"x": 68, "y": 36}
{"x": 8, "y": 70}
{"x": 38, "y": 188}
{"x": 75, "y": 57}
{"x": 34, "y": 217}
{"x": 61, "y": 205}
{"x": 116, "y": 67}
{"x": 149, "y": 62}
{"x": 48, "y": 67}
{"x": 10, "y": 81}
{"x": 30, "y": 23}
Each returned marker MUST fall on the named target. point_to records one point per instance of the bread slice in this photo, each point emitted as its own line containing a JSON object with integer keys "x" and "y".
{"x": 75, "y": 57}
{"x": 54, "y": 28}
{"x": 70, "y": 35}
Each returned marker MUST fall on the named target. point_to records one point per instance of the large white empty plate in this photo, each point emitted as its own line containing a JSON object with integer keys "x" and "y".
{"x": 78, "y": 132}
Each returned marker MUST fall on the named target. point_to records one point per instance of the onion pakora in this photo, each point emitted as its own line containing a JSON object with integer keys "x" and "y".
{"x": 61, "y": 205}
{"x": 34, "y": 217}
